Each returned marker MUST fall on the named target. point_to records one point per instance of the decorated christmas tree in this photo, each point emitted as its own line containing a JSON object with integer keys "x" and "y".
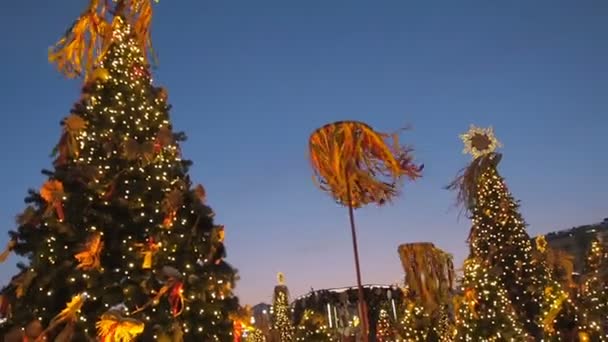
{"x": 385, "y": 331}
{"x": 498, "y": 238}
{"x": 282, "y": 327}
{"x": 484, "y": 312}
{"x": 119, "y": 244}
{"x": 593, "y": 299}
{"x": 415, "y": 323}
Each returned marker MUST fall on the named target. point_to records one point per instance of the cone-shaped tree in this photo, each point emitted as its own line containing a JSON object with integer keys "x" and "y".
{"x": 498, "y": 236}
{"x": 385, "y": 330}
{"x": 282, "y": 327}
{"x": 593, "y": 300}
{"x": 118, "y": 227}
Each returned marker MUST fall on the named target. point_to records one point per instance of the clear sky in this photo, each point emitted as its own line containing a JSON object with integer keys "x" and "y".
{"x": 250, "y": 80}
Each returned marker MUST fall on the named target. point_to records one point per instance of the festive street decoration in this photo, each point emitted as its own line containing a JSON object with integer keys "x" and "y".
{"x": 359, "y": 166}
{"x": 429, "y": 273}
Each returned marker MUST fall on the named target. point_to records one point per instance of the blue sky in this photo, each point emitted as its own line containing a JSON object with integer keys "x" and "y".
{"x": 250, "y": 80}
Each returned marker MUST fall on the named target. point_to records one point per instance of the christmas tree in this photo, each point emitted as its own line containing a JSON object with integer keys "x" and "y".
{"x": 281, "y": 312}
{"x": 498, "y": 236}
{"x": 385, "y": 331}
{"x": 593, "y": 299}
{"x": 118, "y": 242}
{"x": 415, "y": 324}
{"x": 484, "y": 312}
{"x": 313, "y": 327}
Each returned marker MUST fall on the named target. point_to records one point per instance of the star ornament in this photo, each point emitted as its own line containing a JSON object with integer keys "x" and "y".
{"x": 479, "y": 141}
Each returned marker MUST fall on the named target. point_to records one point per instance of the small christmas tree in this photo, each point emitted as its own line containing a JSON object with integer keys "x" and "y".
{"x": 385, "y": 331}
{"x": 281, "y": 312}
{"x": 256, "y": 336}
{"x": 415, "y": 323}
{"x": 593, "y": 299}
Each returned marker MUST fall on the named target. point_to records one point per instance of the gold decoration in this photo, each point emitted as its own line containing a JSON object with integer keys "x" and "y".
{"x": 89, "y": 258}
{"x": 76, "y": 52}
{"x": 351, "y": 155}
{"x": 89, "y": 37}
{"x": 112, "y": 326}
{"x": 7, "y": 251}
{"x": 100, "y": 74}
{"x": 52, "y": 192}
{"x": 74, "y": 123}
{"x": 479, "y": 142}
{"x": 541, "y": 243}
{"x": 281, "y": 278}
{"x": 583, "y": 336}
{"x": 69, "y": 315}
{"x": 554, "y": 308}
{"x": 149, "y": 248}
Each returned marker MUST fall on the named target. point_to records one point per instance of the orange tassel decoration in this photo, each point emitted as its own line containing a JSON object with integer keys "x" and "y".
{"x": 350, "y": 154}
{"x": 86, "y": 41}
{"x": 112, "y": 326}
{"x": 52, "y": 192}
{"x": 89, "y": 258}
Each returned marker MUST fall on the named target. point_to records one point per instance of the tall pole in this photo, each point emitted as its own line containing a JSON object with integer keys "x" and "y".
{"x": 362, "y": 303}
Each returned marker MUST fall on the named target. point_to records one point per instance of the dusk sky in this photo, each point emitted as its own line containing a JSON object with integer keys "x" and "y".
{"x": 250, "y": 80}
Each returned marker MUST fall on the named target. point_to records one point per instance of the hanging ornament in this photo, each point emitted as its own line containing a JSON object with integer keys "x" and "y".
{"x": 52, "y": 192}
{"x": 149, "y": 249}
{"x": 170, "y": 205}
{"x": 470, "y": 298}
{"x": 67, "y": 316}
{"x": 89, "y": 258}
{"x": 100, "y": 75}
{"x": 174, "y": 289}
{"x": 113, "y": 327}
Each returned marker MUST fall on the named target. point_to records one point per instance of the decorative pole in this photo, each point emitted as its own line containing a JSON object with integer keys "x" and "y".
{"x": 359, "y": 166}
